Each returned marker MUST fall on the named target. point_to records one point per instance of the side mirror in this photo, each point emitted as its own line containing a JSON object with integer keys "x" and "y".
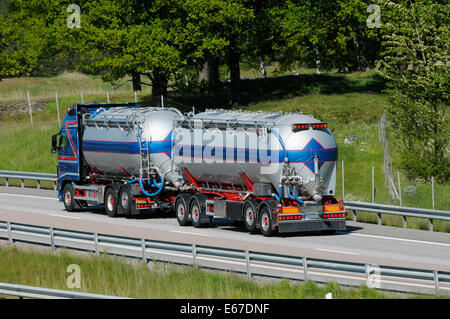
{"x": 54, "y": 142}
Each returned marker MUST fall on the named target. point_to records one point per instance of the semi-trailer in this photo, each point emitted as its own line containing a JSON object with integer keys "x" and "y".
{"x": 270, "y": 170}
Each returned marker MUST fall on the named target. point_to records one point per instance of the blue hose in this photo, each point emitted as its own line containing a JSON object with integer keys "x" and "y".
{"x": 294, "y": 191}
{"x": 280, "y": 193}
{"x": 294, "y": 197}
{"x": 281, "y": 142}
{"x": 161, "y": 186}
{"x": 276, "y": 197}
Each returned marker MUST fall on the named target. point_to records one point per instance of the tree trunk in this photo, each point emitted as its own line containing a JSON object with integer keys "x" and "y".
{"x": 262, "y": 67}
{"x": 361, "y": 62}
{"x": 235, "y": 76}
{"x": 210, "y": 71}
{"x": 159, "y": 86}
{"x": 137, "y": 84}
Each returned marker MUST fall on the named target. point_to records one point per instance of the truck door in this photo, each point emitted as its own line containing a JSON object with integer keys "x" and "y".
{"x": 68, "y": 164}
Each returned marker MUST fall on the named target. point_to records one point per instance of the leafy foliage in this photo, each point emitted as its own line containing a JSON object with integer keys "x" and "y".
{"x": 415, "y": 63}
{"x": 21, "y": 42}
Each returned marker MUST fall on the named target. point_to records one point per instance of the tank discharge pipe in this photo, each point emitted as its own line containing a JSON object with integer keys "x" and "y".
{"x": 278, "y": 198}
{"x": 295, "y": 196}
{"x": 161, "y": 186}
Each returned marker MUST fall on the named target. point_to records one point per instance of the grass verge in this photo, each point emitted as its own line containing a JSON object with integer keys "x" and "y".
{"x": 111, "y": 275}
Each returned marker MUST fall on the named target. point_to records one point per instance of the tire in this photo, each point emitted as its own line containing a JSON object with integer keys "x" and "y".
{"x": 68, "y": 194}
{"x": 250, "y": 217}
{"x": 266, "y": 222}
{"x": 125, "y": 200}
{"x": 196, "y": 211}
{"x": 182, "y": 212}
{"x": 111, "y": 202}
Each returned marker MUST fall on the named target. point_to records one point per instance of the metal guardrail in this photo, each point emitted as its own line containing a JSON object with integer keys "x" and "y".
{"x": 46, "y": 293}
{"x": 403, "y": 211}
{"x": 241, "y": 261}
{"x": 28, "y": 176}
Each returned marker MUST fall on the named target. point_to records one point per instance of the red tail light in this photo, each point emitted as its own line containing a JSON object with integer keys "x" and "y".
{"x": 337, "y": 215}
{"x": 300, "y": 127}
{"x": 295, "y": 217}
{"x": 320, "y": 126}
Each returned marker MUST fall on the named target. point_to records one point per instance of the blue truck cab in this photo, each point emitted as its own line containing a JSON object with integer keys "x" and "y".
{"x": 67, "y": 143}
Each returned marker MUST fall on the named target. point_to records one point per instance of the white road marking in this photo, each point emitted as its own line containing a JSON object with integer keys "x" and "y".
{"x": 402, "y": 239}
{"x": 185, "y": 232}
{"x": 57, "y": 215}
{"x": 335, "y": 251}
{"x": 31, "y": 196}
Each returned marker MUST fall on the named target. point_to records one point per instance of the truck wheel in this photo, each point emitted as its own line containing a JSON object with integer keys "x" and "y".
{"x": 182, "y": 212}
{"x": 111, "y": 202}
{"x": 196, "y": 213}
{"x": 250, "y": 217}
{"x": 125, "y": 199}
{"x": 68, "y": 194}
{"x": 266, "y": 222}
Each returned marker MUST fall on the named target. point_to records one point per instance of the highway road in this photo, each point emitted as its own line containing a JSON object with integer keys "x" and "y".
{"x": 362, "y": 242}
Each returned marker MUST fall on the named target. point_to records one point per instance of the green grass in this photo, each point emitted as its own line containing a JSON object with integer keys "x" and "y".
{"x": 67, "y": 84}
{"x": 114, "y": 276}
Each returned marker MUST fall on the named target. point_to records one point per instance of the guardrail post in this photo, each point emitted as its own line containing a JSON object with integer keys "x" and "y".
{"x": 52, "y": 239}
{"x": 404, "y": 222}
{"x": 430, "y": 226}
{"x": 354, "y": 216}
{"x": 247, "y": 262}
{"x": 436, "y": 282}
{"x": 22, "y": 183}
{"x": 96, "y": 243}
{"x": 54, "y": 185}
{"x": 432, "y": 190}
{"x": 10, "y": 239}
{"x": 6, "y": 182}
{"x": 38, "y": 184}
{"x": 379, "y": 219}
{"x": 305, "y": 269}
{"x": 342, "y": 179}
{"x": 143, "y": 250}
{"x": 194, "y": 254}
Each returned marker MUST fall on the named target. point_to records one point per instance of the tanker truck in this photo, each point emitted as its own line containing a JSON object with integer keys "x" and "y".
{"x": 274, "y": 172}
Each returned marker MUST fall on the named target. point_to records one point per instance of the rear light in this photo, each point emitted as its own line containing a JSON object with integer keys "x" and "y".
{"x": 331, "y": 208}
{"x": 300, "y": 127}
{"x": 337, "y": 215}
{"x": 320, "y": 126}
{"x": 290, "y": 210}
{"x": 211, "y": 208}
{"x": 293, "y": 217}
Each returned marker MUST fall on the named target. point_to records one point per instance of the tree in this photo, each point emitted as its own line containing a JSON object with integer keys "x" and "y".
{"x": 415, "y": 64}
{"x": 334, "y": 32}
{"x": 21, "y": 41}
{"x": 219, "y": 29}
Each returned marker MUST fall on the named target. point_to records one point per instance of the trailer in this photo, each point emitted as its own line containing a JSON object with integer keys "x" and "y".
{"x": 274, "y": 172}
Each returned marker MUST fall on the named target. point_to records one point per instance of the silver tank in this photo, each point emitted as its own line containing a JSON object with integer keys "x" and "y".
{"x": 217, "y": 146}
{"x": 111, "y": 141}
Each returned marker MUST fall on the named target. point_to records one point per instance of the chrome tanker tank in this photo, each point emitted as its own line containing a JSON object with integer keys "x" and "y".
{"x": 272, "y": 150}
{"x": 116, "y": 142}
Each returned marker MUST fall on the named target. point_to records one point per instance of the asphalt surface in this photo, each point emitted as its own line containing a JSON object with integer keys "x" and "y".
{"x": 361, "y": 242}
